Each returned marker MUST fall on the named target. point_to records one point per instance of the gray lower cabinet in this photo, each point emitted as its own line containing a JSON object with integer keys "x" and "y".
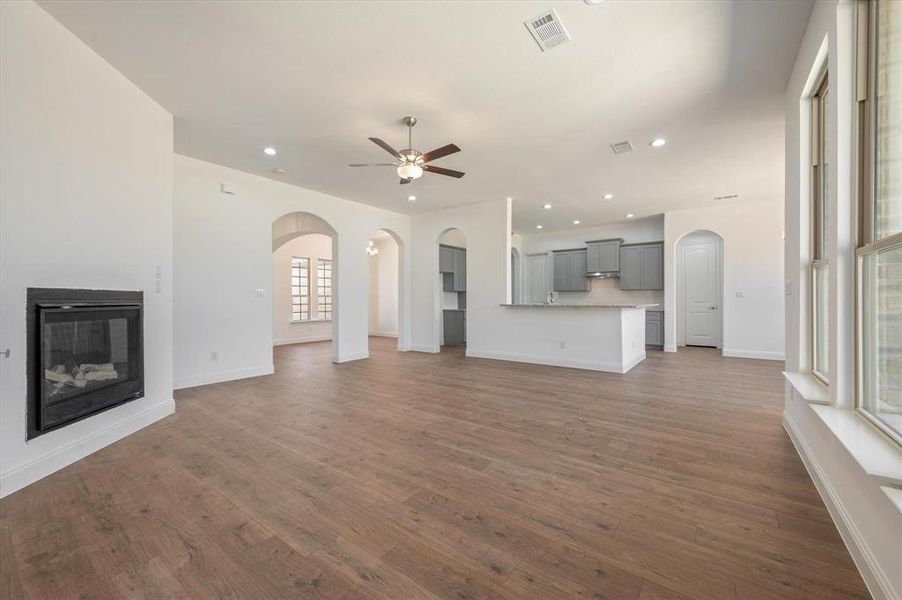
{"x": 570, "y": 270}
{"x": 654, "y": 328}
{"x": 603, "y": 256}
{"x": 642, "y": 266}
{"x": 454, "y": 327}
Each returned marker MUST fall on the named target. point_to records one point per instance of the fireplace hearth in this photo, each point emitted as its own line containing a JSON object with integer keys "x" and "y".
{"x": 85, "y": 354}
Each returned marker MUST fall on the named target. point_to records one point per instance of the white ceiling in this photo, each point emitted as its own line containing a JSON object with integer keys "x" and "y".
{"x": 315, "y": 79}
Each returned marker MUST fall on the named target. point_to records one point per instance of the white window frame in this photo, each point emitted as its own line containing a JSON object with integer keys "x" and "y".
{"x": 867, "y": 243}
{"x": 303, "y": 291}
{"x": 324, "y": 306}
{"x": 818, "y": 231}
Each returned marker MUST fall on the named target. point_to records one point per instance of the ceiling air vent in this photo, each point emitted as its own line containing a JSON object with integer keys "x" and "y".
{"x": 622, "y": 147}
{"x": 547, "y": 30}
{"x": 727, "y": 197}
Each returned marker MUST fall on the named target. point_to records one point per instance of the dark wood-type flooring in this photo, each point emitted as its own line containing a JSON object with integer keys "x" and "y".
{"x": 436, "y": 476}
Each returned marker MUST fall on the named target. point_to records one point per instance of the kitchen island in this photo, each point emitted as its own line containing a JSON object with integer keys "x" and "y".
{"x": 600, "y": 337}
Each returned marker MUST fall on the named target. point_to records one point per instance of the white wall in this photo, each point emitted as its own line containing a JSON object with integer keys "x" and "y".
{"x": 752, "y": 265}
{"x": 485, "y": 229}
{"x": 86, "y": 192}
{"x": 383, "y": 307}
{"x": 223, "y": 251}
{"x": 314, "y": 246}
{"x": 601, "y": 291}
{"x": 868, "y": 522}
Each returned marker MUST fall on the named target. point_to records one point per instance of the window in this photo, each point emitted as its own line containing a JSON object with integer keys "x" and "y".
{"x": 820, "y": 267}
{"x": 879, "y": 254}
{"x": 300, "y": 289}
{"x": 324, "y": 288}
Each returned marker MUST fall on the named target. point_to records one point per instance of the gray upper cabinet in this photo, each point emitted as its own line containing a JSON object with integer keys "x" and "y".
{"x": 642, "y": 266}
{"x": 603, "y": 256}
{"x": 570, "y": 270}
{"x": 561, "y": 272}
{"x": 452, "y": 264}
{"x": 460, "y": 270}
{"x": 445, "y": 259}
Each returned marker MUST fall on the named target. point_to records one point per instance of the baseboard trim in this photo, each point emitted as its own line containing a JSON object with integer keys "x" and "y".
{"x": 222, "y": 376}
{"x": 670, "y": 348}
{"x": 19, "y": 477}
{"x": 429, "y": 349}
{"x": 877, "y": 582}
{"x": 553, "y": 361}
{"x": 757, "y": 354}
{"x": 351, "y": 356}
{"x": 303, "y": 340}
{"x": 386, "y": 334}
{"x": 633, "y": 363}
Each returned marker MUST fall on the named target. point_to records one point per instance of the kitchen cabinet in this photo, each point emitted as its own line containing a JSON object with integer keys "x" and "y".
{"x": 570, "y": 270}
{"x": 642, "y": 266}
{"x": 603, "y": 256}
{"x": 452, "y": 264}
{"x": 460, "y": 270}
{"x": 446, "y": 259}
{"x": 454, "y": 323}
{"x": 654, "y": 328}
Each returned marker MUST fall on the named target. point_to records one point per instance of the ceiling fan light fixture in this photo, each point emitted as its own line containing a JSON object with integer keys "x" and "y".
{"x": 410, "y": 171}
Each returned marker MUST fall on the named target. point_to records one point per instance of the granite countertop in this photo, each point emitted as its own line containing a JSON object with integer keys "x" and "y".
{"x": 582, "y": 306}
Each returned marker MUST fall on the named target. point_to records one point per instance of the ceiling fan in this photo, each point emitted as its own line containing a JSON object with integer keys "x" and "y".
{"x": 411, "y": 164}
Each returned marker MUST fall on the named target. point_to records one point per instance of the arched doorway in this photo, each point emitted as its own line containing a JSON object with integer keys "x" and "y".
{"x": 304, "y": 263}
{"x": 384, "y": 250}
{"x": 451, "y": 289}
{"x": 699, "y": 290}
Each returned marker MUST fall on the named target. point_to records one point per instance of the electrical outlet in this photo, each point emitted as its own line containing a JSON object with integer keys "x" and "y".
{"x": 260, "y": 292}
{"x": 740, "y": 294}
{"x": 563, "y": 345}
{"x": 214, "y": 356}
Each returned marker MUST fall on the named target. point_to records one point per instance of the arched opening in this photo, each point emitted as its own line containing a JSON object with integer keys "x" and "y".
{"x": 451, "y": 289}
{"x": 385, "y": 285}
{"x": 304, "y": 265}
{"x": 515, "y": 277}
{"x": 699, "y": 290}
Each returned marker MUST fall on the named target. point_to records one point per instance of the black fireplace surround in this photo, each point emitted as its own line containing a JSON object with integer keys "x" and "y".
{"x": 85, "y": 354}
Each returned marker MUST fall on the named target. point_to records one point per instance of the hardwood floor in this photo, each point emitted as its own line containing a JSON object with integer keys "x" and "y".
{"x": 435, "y": 476}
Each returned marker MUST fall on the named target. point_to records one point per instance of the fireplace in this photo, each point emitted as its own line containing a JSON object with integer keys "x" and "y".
{"x": 85, "y": 354}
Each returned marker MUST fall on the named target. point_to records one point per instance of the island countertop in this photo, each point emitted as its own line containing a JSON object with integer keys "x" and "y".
{"x": 581, "y": 306}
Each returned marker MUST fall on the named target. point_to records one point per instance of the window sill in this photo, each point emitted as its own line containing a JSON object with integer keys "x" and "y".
{"x": 894, "y": 495}
{"x": 301, "y": 322}
{"x": 809, "y": 387}
{"x": 876, "y": 454}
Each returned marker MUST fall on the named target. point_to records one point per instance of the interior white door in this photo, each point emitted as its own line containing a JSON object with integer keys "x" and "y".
{"x": 701, "y": 292}
{"x": 537, "y": 271}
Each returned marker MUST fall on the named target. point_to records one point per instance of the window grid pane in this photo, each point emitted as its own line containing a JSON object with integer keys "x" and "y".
{"x": 300, "y": 289}
{"x": 888, "y": 134}
{"x": 820, "y": 226}
{"x": 881, "y": 287}
{"x": 324, "y": 288}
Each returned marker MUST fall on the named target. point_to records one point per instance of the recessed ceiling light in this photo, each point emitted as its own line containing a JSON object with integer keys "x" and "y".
{"x": 576, "y": 222}
{"x": 546, "y": 206}
{"x": 609, "y": 196}
{"x": 538, "y": 226}
{"x": 279, "y": 171}
{"x": 269, "y": 151}
{"x": 657, "y": 142}
{"x": 629, "y": 215}
{"x": 411, "y": 198}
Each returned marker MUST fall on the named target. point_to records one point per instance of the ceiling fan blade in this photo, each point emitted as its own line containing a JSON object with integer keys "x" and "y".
{"x": 403, "y": 181}
{"x": 372, "y": 165}
{"x": 443, "y": 171}
{"x": 386, "y": 147}
{"x": 439, "y": 152}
